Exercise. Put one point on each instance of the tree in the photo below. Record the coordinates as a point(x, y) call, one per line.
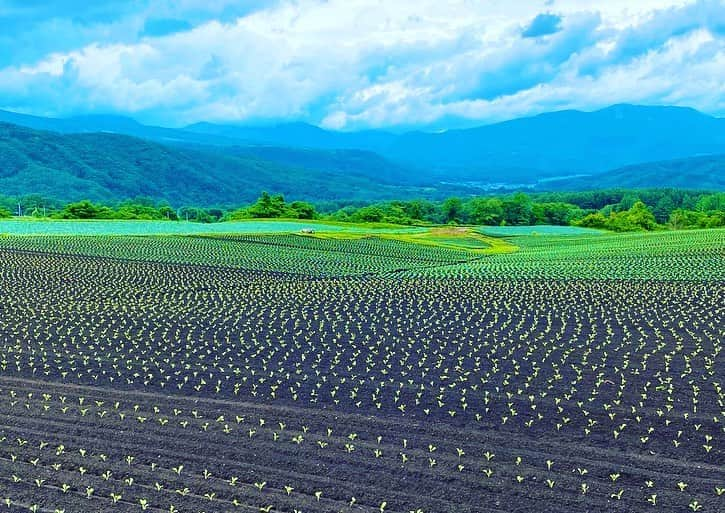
point(711, 202)
point(556, 213)
point(628, 201)
point(596, 220)
point(270, 206)
point(488, 211)
point(302, 210)
point(85, 209)
point(5, 213)
point(663, 209)
point(451, 210)
point(167, 212)
point(267, 206)
point(641, 216)
point(370, 214)
point(518, 210)
point(681, 219)
point(419, 209)
point(195, 214)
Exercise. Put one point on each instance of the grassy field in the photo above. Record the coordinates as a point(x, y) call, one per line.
point(457, 238)
point(355, 369)
point(542, 230)
point(666, 255)
point(122, 227)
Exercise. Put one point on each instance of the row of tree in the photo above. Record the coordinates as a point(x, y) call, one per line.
point(138, 209)
point(618, 210)
point(274, 206)
point(518, 209)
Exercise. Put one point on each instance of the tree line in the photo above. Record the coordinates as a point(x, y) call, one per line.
point(617, 210)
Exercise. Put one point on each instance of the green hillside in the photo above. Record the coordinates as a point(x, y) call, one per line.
point(518, 151)
point(707, 172)
point(109, 167)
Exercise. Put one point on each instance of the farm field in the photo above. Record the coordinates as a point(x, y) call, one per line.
point(512, 231)
point(424, 370)
point(41, 227)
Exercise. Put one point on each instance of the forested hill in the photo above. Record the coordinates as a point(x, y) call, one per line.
point(568, 142)
point(707, 172)
point(558, 143)
point(108, 167)
point(521, 151)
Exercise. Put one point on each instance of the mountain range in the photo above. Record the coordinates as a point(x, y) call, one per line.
point(113, 157)
point(110, 167)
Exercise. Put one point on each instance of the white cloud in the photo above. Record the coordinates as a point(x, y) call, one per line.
point(369, 63)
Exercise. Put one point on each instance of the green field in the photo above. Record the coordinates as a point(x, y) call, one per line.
point(543, 230)
point(121, 227)
point(666, 255)
point(340, 250)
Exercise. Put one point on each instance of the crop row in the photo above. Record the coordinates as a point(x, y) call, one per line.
point(288, 373)
point(406, 394)
point(671, 255)
point(470, 353)
point(678, 255)
point(292, 254)
point(154, 447)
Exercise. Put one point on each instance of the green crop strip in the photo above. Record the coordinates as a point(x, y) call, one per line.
point(439, 253)
point(461, 239)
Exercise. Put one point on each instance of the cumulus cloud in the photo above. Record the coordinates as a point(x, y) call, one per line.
point(350, 64)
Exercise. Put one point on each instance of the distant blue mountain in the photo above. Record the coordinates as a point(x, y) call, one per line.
point(111, 124)
point(707, 173)
point(78, 124)
point(110, 167)
point(566, 142)
point(300, 135)
point(556, 144)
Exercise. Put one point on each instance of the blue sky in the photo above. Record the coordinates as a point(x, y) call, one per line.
point(353, 64)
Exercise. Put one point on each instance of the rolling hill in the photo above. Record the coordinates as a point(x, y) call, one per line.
point(300, 135)
point(696, 172)
point(556, 143)
point(566, 142)
point(109, 167)
point(525, 150)
point(94, 157)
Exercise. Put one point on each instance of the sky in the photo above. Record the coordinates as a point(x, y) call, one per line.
point(357, 64)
